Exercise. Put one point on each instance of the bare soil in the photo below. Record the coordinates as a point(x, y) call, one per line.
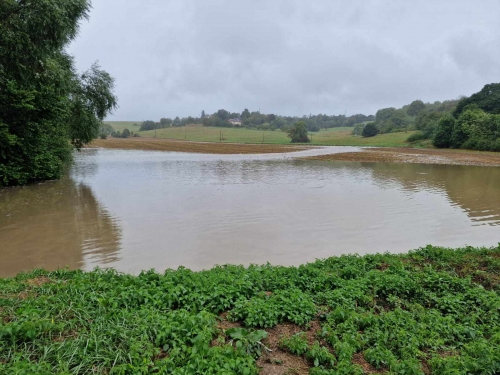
point(419, 156)
point(155, 144)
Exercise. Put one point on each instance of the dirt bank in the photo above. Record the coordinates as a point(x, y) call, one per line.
point(187, 146)
point(412, 155)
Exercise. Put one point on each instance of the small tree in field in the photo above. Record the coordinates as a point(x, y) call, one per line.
point(298, 133)
point(370, 130)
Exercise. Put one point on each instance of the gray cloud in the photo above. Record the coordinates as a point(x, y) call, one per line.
point(175, 58)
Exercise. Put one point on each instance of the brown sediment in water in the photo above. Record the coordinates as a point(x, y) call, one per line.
point(418, 156)
point(154, 144)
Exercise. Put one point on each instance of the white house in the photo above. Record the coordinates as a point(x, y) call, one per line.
point(235, 121)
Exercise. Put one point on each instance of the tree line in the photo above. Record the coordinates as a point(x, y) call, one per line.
point(469, 123)
point(259, 121)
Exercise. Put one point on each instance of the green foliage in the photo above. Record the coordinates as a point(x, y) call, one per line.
point(370, 130)
point(417, 136)
point(265, 311)
point(433, 305)
point(358, 129)
point(44, 103)
point(488, 99)
point(444, 131)
point(474, 129)
point(415, 108)
point(320, 355)
point(247, 342)
point(296, 344)
point(298, 133)
point(125, 133)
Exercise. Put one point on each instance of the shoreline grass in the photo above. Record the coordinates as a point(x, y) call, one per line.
point(433, 310)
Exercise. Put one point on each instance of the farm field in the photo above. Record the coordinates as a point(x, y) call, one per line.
point(331, 137)
point(120, 125)
point(431, 311)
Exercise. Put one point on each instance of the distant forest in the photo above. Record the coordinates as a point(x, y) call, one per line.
point(260, 121)
point(470, 122)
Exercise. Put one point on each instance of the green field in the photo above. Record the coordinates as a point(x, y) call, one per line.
point(332, 137)
point(120, 125)
point(434, 310)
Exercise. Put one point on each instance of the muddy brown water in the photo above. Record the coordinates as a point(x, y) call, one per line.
point(135, 210)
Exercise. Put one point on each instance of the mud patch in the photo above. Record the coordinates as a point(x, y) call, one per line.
point(225, 324)
point(280, 362)
point(418, 156)
point(359, 359)
point(38, 281)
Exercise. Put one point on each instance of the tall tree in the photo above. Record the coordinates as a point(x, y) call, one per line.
point(488, 99)
point(45, 105)
point(415, 108)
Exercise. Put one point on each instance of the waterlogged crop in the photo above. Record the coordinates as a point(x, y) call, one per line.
point(433, 310)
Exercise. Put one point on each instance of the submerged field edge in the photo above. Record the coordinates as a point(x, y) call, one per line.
point(415, 156)
point(432, 310)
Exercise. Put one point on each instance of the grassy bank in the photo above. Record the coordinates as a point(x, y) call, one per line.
point(433, 311)
point(328, 137)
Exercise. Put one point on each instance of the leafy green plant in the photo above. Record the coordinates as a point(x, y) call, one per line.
point(296, 344)
point(398, 310)
point(379, 356)
point(248, 342)
point(320, 355)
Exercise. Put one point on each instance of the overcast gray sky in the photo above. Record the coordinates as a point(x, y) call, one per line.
point(176, 58)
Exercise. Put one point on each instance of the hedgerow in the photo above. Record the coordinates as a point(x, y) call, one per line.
point(432, 310)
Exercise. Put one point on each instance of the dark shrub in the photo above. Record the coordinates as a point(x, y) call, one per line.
point(370, 130)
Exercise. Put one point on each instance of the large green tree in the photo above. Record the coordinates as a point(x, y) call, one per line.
point(46, 107)
point(488, 99)
point(415, 108)
point(298, 133)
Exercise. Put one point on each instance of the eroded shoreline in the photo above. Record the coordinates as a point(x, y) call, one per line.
point(413, 155)
point(362, 154)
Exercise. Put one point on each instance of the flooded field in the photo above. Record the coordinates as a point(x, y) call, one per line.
point(135, 210)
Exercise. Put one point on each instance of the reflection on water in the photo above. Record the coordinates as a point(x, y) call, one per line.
point(54, 225)
point(475, 189)
point(169, 209)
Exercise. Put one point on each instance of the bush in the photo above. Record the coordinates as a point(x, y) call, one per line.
point(298, 133)
point(442, 138)
point(370, 130)
point(125, 133)
point(417, 136)
point(358, 129)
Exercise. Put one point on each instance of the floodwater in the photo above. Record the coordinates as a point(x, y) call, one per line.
point(135, 210)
